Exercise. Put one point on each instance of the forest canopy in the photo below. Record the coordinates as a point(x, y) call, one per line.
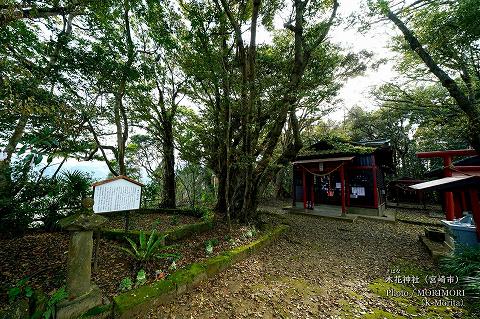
point(182, 93)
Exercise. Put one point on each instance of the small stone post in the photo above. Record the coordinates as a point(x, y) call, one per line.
point(82, 294)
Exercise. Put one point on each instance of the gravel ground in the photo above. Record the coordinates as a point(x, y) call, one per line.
point(418, 216)
point(318, 270)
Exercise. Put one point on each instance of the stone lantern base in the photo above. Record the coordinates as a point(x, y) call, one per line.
point(75, 308)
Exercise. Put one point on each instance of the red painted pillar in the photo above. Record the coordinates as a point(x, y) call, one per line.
point(294, 193)
point(342, 190)
point(375, 188)
point(304, 188)
point(449, 204)
point(312, 191)
point(347, 189)
point(475, 209)
point(457, 205)
point(464, 201)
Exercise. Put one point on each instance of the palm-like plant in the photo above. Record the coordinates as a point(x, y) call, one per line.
point(75, 186)
point(147, 248)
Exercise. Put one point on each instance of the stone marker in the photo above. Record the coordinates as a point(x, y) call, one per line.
point(82, 294)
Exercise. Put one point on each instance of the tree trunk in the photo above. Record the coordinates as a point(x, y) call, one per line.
point(121, 120)
point(468, 106)
point(169, 200)
point(221, 205)
point(280, 191)
point(121, 141)
point(5, 170)
point(253, 175)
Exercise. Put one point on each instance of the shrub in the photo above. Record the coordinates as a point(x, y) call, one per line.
point(209, 244)
point(146, 249)
point(57, 297)
point(20, 289)
point(141, 278)
point(126, 284)
point(472, 284)
point(174, 220)
point(250, 232)
point(463, 263)
point(149, 249)
point(43, 308)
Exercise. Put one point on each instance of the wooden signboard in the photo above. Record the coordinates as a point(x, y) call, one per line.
point(116, 194)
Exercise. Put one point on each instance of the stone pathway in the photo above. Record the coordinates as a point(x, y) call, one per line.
point(320, 269)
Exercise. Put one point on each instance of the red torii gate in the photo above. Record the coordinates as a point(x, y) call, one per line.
point(448, 171)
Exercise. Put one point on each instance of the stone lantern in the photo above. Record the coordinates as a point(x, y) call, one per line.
point(82, 294)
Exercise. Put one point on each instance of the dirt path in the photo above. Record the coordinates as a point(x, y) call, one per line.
point(319, 269)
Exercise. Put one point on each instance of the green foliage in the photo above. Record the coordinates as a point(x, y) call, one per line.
point(199, 211)
point(41, 307)
point(174, 220)
point(21, 289)
point(151, 193)
point(141, 278)
point(446, 31)
point(194, 186)
point(209, 244)
point(126, 284)
point(146, 249)
point(465, 262)
point(472, 284)
point(43, 200)
point(58, 296)
point(173, 266)
point(250, 232)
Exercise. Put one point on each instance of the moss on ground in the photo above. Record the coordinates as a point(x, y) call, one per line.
point(406, 305)
point(95, 311)
point(216, 264)
point(189, 276)
point(302, 286)
point(184, 231)
point(380, 314)
point(140, 295)
point(410, 303)
point(381, 287)
point(354, 295)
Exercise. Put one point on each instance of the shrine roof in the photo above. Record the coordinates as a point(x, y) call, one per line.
point(106, 181)
point(337, 147)
point(449, 183)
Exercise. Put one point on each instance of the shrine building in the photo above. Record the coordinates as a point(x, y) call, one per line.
point(341, 177)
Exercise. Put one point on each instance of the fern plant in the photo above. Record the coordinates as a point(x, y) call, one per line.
point(58, 296)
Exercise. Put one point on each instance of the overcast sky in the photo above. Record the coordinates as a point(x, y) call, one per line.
point(376, 40)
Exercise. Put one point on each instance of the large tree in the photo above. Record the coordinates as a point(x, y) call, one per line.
point(252, 93)
point(441, 41)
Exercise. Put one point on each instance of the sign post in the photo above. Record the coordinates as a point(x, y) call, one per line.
point(116, 194)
